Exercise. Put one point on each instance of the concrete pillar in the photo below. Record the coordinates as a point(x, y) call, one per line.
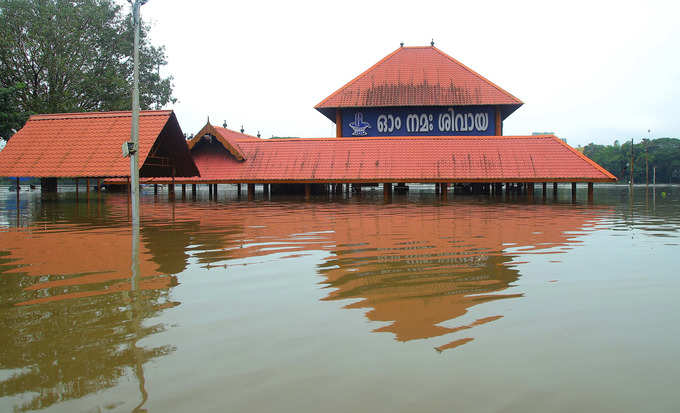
point(544, 189)
point(590, 192)
point(251, 192)
point(573, 192)
point(308, 191)
point(387, 191)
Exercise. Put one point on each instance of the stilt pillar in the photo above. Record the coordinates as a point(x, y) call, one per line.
point(530, 190)
point(436, 188)
point(265, 190)
point(155, 189)
point(387, 191)
point(238, 189)
point(308, 191)
point(573, 192)
point(445, 190)
point(77, 189)
point(555, 190)
point(590, 192)
point(544, 189)
point(251, 192)
point(193, 191)
point(87, 187)
point(215, 191)
point(184, 191)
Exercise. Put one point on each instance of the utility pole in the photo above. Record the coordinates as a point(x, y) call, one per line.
point(134, 138)
point(632, 168)
point(649, 132)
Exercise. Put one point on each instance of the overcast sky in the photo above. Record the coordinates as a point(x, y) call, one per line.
point(590, 71)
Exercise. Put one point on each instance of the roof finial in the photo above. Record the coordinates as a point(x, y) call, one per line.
point(432, 43)
point(224, 124)
point(401, 44)
point(208, 119)
point(258, 134)
point(242, 130)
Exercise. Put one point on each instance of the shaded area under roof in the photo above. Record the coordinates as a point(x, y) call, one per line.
point(418, 76)
point(74, 145)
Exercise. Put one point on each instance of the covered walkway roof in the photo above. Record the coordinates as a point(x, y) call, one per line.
point(543, 158)
point(75, 145)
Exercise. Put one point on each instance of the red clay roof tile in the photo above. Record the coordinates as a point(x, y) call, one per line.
point(418, 76)
point(86, 144)
point(400, 159)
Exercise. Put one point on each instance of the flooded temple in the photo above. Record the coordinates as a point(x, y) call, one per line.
point(416, 116)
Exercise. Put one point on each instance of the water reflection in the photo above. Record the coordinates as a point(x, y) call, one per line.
point(73, 316)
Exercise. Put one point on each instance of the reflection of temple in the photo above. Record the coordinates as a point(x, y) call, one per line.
point(413, 267)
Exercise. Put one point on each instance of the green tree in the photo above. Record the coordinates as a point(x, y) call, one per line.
point(75, 56)
point(10, 118)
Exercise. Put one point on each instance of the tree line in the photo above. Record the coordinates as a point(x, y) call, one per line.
point(662, 153)
point(59, 56)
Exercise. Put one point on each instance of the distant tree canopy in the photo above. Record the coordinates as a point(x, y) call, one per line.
point(61, 56)
point(663, 153)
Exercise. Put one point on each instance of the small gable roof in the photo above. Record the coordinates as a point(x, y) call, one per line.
point(228, 138)
point(72, 145)
point(418, 76)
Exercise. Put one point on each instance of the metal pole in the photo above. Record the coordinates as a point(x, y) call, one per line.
point(632, 166)
point(134, 166)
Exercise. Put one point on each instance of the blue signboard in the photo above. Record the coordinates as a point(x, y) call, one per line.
point(422, 121)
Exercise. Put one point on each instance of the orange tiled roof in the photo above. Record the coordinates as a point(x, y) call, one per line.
point(418, 76)
point(89, 145)
point(399, 159)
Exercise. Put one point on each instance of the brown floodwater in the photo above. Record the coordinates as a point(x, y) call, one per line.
point(471, 304)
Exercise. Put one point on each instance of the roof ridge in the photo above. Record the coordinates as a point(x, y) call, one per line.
point(477, 74)
point(389, 138)
point(237, 132)
point(384, 59)
point(88, 115)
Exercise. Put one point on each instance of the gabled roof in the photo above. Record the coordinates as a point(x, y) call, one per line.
point(543, 158)
point(89, 145)
point(418, 76)
point(227, 137)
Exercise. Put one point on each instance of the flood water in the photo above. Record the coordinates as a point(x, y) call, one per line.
point(471, 304)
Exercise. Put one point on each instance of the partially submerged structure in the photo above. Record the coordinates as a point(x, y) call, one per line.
point(416, 116)
point(89, 146)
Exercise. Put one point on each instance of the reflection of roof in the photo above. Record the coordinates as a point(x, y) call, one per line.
point(89, 145)
point(398, 159)
point(103, 266)
point(418, 76)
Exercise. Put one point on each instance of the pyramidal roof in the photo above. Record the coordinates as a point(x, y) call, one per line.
point(418, 76)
